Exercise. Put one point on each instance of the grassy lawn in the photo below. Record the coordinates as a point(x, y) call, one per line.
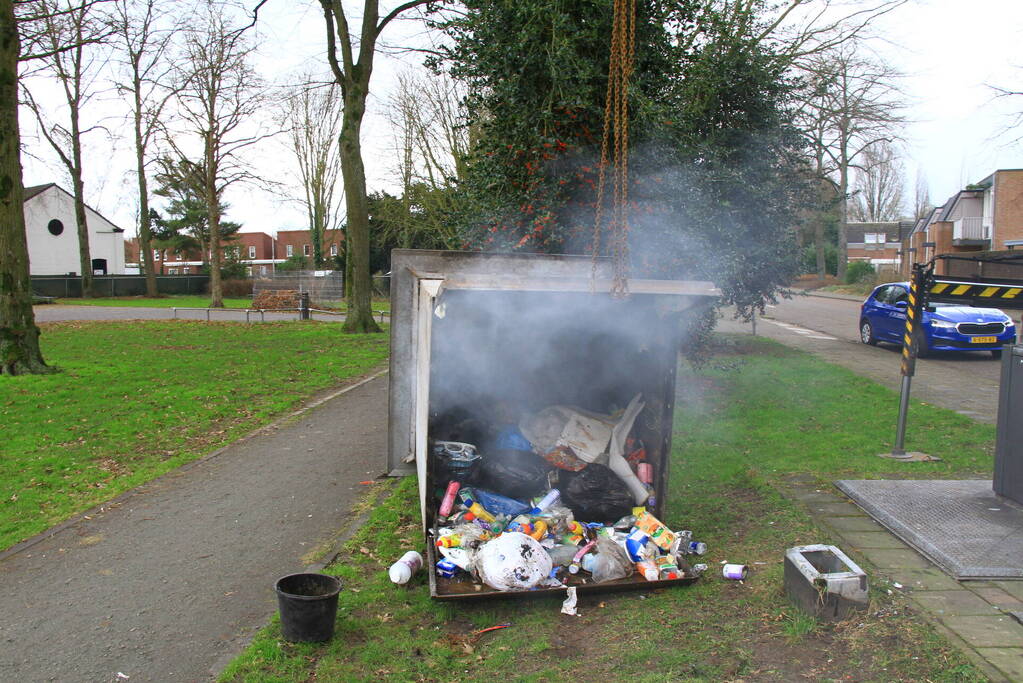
point(137, 399)
point(755, 413)
point(183, 301)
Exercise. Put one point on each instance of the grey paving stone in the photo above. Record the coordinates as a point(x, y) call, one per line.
point(872, 539)
point(994, 595)
point(885, 558)
point(923, 579)
point(811, 497)
point(955, 603)
point(1013, 588)
point(843, 524)
point(1008, 660)
point(984, 632)
point(836, 510)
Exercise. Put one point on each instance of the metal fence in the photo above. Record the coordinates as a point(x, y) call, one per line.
point(321, 285)
point(70, 286)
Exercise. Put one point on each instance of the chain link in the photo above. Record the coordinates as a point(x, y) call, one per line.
point(616, 133)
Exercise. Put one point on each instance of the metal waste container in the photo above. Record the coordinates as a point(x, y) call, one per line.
point(1008, 478)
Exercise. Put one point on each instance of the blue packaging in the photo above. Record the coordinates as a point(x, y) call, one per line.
point(446, 568)
point(496, 504)
point(511, 438)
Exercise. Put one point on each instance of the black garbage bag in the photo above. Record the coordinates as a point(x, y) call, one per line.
point(513, 473)
point(596, 494)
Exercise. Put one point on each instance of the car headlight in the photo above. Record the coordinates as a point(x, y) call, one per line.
point(943, 324)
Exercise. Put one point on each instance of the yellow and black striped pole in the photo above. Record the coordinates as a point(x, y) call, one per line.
point(914, 313)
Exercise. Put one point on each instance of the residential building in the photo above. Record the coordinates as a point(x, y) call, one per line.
point(298, 243)
point(985, 216)
point(878, 243)
point(260, 252)
point(52, 233)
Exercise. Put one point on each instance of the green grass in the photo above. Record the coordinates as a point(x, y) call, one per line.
point(137, 399)
point(756, 413)
point(185, 301)
point(178, 300)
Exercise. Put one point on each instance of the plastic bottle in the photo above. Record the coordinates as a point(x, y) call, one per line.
point(552, 497)
point(697, 548)
point(449, 541)
point(402, 570)
point(481, 513)
point(577, 560)
point(449, 499)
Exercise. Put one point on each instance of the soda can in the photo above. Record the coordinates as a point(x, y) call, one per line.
point(735, 572)
point(645, 472)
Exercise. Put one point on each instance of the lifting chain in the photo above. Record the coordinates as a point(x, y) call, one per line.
point(616, 132)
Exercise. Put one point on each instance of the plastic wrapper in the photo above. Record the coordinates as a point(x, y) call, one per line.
point(596, 494)
point(611, 562)
point(513, 562)
point(497, 504)
point(514, 473)
point(561, 555)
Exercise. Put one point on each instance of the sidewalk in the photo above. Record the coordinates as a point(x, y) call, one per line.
point(168, 582)
point(973, 615)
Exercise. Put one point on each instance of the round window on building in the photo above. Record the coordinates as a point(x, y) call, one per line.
point(55, 227)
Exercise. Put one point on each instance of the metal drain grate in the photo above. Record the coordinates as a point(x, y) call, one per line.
point(961, 526)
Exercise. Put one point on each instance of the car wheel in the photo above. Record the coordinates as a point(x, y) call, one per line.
point(867, 333)
point(920, 348)
point(996, 353)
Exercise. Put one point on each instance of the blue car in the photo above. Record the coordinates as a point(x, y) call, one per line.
point(946, 327)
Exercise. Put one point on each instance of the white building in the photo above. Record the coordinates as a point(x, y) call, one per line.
point(53, 235)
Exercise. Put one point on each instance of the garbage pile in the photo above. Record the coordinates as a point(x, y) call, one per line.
point(559, 498)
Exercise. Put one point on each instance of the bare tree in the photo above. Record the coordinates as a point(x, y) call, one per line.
point(142, 35)
point(431, 152)
point(218, 94)
point(879, 188)
point(352, 71)
point(314, 123)
point(922, 196)
point(66, 35)
point(851, 103)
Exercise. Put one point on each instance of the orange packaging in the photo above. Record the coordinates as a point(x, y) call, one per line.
point(662, 536)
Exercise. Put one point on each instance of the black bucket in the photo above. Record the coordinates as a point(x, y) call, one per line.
point(308, 606)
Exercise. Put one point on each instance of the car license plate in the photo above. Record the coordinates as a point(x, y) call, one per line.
point(984, 340)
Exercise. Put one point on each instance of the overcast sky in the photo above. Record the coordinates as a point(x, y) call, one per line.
point(950, 51)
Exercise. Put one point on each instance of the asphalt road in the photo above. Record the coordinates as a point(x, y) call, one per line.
point(168, 582)
point(828, 327)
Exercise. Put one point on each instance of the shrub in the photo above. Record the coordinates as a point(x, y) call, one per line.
point(859, 271)
point(237, 287)
point(808, 259)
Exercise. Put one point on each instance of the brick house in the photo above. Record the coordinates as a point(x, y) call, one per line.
point(260, 252)
point(298, 243)
point(985, 216)
point(877, 243)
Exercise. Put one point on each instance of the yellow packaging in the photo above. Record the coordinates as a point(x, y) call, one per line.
point(662, 536)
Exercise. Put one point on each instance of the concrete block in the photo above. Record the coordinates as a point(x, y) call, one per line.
point(823, 582)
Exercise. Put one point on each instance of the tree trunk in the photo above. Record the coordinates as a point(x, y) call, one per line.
point(84, 253)
point(843, 218)
point(19, 336)
point(818, 240)
point(359, 317)
point(145, 228)
point(213, 212)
